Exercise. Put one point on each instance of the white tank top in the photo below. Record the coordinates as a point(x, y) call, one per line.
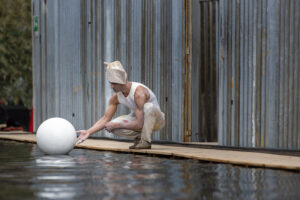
point(129, 100)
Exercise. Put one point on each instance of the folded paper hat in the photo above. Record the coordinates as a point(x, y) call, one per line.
point(115, 72)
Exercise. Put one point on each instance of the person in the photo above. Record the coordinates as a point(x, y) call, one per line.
point(144, 118)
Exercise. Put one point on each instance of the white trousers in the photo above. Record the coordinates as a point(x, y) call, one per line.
point(154, 120)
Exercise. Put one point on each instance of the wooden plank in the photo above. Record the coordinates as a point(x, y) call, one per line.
point(252, 159)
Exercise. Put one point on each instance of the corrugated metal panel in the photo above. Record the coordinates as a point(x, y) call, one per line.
point(204, 56)
point(76, 37)
point(258, 87)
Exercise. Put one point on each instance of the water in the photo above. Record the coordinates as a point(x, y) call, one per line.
point(25, 173)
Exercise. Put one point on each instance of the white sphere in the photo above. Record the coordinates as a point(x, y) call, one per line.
point(56, 136)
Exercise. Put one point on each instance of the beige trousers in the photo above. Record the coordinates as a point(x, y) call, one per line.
point(154, 120)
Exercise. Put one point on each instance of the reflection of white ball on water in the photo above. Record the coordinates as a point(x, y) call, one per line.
point(56, 136)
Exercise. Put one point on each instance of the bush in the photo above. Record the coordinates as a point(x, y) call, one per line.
point(15, 52)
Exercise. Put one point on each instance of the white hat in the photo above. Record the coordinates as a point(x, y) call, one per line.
point(115, 72)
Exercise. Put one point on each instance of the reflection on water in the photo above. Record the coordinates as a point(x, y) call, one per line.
point(54, 186)
point(26, 173)
point(52, 175)
point(55, 161)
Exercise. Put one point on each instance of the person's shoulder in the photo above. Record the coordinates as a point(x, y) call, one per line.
point(141, 92)
point(140, 89)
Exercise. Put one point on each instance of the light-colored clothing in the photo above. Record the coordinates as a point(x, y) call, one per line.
point(129, 100)
point(154, 120)
point(115, 72)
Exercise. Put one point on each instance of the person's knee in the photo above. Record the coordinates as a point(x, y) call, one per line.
point(149, 108)
point(123, 118)
point(116, 120)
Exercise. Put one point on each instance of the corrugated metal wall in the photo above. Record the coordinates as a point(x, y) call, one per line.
point(205, 20)
point(75, 37)
point(258, 73)
point(256, 50)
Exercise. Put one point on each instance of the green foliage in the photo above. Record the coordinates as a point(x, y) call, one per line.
point(15, 52)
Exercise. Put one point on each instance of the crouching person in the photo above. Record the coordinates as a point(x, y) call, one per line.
point(145, 116)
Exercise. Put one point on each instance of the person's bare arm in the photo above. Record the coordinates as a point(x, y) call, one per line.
point(100, 124)
point(141, 96)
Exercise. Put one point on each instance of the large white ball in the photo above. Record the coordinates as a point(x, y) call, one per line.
point(56, 136)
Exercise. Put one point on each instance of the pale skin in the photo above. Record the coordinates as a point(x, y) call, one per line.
point(141, 96)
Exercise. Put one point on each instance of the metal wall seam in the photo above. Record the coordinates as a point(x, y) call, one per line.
point(286, 89)
point(281, 76)
point(177, 63)
point(218, 87)
point(228, 71)
point(225, 67)
point(43, 61)
point(196, 19)
point(233, 73)
point(212, 88)
point(271, 68)
point(221, 76)
point(92, 58)
point(57, 59)
point(50, 60)
point(263, 72)
point(292, 74)
point(288, 52)
point(297, 64)
point(251, 136)
point(242, 75)
point(254, 120)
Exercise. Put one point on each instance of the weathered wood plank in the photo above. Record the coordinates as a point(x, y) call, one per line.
point(214, 155)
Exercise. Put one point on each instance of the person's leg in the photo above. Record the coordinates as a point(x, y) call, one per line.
point(130, 134)
point(154, 120)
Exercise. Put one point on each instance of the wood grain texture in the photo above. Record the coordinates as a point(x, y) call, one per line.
point(252, 159)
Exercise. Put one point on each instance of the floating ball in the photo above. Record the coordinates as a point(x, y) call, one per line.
point(56, 136)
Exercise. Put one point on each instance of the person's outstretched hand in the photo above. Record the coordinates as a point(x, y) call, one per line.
point(83, 136)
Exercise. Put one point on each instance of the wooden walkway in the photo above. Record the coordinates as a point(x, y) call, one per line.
point(252, 159)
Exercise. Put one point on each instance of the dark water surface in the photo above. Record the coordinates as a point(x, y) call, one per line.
point(25, 173)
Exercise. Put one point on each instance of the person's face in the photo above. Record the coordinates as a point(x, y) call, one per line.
point(116, 87)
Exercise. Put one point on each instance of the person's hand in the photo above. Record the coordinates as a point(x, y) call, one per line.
point(110, 126)
point(83, 136)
